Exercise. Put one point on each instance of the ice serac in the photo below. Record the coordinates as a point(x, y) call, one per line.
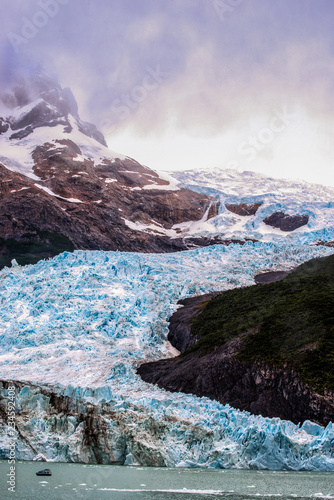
point(80, 426)
point(76, 328)
point(62, 188)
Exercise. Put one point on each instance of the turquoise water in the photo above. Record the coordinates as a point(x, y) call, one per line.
point(94, 482)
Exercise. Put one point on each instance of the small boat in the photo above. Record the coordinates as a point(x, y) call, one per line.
point(45, 472)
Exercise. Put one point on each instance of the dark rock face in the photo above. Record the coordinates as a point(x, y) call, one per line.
point(325, 243)
point(254, 387)
point(40, 115)
point(34, 224)
point(4, 126)
point(286, 222)
point(243, 208)
point(179, 324)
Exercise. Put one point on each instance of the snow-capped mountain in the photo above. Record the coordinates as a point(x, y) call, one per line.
point(62, 188)
point(262, 208)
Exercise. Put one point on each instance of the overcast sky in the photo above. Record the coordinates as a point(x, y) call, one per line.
point(178, 84)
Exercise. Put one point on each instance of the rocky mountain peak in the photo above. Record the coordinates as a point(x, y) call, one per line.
point(40, 101)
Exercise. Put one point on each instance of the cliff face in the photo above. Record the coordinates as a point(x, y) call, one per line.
point(42, 223)
point(256, 386)
point(180, 335)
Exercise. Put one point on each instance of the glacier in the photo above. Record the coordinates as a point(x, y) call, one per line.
point(81, 323)
point(276, 195)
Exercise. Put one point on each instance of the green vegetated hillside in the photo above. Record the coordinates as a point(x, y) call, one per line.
point(291, 321)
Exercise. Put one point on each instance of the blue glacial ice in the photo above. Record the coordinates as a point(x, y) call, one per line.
point(83, 322)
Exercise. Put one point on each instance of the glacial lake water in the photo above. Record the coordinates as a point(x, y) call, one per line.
point(95, 482)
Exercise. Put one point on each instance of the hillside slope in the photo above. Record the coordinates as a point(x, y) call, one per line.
point(267, 348)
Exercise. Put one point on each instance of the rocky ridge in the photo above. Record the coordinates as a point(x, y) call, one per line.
point(257, 387)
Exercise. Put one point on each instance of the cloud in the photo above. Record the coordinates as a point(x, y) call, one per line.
point(224, 65)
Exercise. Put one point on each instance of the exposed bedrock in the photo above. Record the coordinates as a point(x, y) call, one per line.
point(325, 243)
point(179, 324)
point(243, 208)
point(257, 388)
point(286, 222)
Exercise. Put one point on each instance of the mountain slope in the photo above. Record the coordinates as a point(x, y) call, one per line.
point(62, 188)
point(268, 348)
